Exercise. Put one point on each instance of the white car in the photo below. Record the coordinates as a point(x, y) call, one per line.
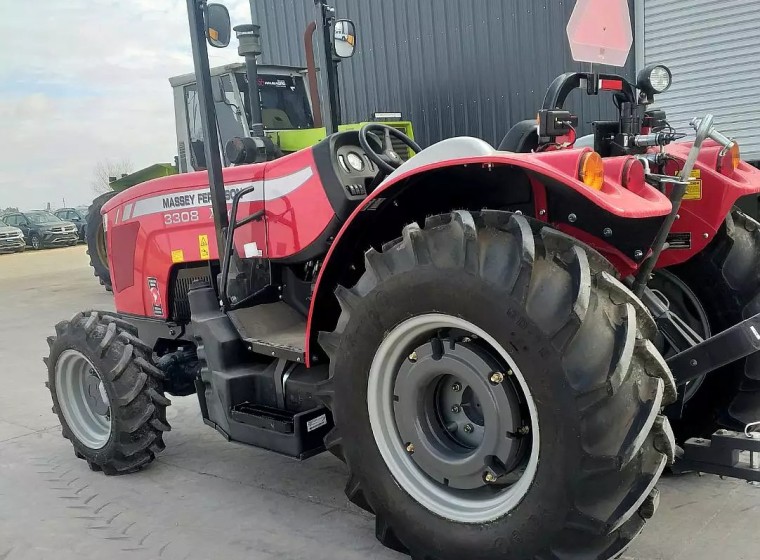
point(11, 239)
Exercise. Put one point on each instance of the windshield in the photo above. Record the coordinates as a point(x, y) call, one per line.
point(229, 119)
point(284, 104)
point(41, 217)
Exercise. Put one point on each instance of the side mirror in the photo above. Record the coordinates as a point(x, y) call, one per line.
point(218, 27)
point(345, 38)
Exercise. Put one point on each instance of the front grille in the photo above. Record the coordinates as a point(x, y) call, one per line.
point(57, 230)
point(12, 235)
point(180, 304)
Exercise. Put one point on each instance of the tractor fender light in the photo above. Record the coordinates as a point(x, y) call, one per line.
point(591, 170)
point(633, 176)
point(729, 158)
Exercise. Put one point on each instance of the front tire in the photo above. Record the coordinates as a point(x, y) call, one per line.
point(583, 387)
point(107, 395)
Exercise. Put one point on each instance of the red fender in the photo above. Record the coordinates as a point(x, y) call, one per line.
point(708, 201)
point(633, 201)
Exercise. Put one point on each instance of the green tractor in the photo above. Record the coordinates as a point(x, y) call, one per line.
point(290, 117)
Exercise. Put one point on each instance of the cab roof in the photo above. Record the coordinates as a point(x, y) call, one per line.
point(271, 69)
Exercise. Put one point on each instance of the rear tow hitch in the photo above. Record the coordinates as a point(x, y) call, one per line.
point(733, 344)
point(722, 455)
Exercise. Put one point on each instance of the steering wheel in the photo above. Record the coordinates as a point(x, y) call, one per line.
point(386, 160)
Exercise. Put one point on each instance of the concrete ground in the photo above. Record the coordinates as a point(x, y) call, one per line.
point(205, 498)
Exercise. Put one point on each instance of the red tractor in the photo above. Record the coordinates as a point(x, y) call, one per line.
point(493, 341)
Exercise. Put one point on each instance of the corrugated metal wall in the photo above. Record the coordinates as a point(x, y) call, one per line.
point(713, 50)
point(452, 67)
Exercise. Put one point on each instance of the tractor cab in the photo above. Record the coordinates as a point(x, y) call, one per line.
point(285, 109)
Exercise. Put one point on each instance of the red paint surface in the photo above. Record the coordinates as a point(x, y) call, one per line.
point(703, 218)
point(294, 221)
point(561, 165)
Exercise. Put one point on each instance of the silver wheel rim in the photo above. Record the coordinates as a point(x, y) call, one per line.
point(473, 505)
point(36, 242)
point(82, 399)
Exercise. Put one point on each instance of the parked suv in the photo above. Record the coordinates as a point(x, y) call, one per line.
point(77, 216)
point(11, 238)
point(42, 229)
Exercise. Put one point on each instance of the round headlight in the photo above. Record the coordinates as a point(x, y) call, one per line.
point(654, 78)
point(660, 78)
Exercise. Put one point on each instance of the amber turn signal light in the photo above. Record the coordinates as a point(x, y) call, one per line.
point(729, 158)
point(591, 171)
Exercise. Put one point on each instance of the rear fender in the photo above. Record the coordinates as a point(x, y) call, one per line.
point(540, 185)
point(708, 201)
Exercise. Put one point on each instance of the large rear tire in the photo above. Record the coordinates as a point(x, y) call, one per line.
point(725, 277)
point(95, 237)
point(453, 307)
point(107, 395)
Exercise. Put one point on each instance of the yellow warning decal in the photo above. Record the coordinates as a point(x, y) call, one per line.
point(203, 246)
point(178, 256)
point(694, 188)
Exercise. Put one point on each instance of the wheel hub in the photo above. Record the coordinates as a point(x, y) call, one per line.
point(83, 399)
point(461, 424)
point(453, 418)
point(95, 394)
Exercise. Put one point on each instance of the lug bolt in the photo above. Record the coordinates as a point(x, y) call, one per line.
point(468, 428)
point(525, 430)
point(410, 448)
point(489, 477)
point(456, 387)
point(413, 357)
point(638, 254)
point(497, 377)
point(571, 218)
point(607, 232)
point(455, 409)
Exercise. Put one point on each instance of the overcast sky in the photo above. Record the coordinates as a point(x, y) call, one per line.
point(83, 81)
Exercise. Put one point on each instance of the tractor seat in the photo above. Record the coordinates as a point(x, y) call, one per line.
point(275, 119)
point(521, 138)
